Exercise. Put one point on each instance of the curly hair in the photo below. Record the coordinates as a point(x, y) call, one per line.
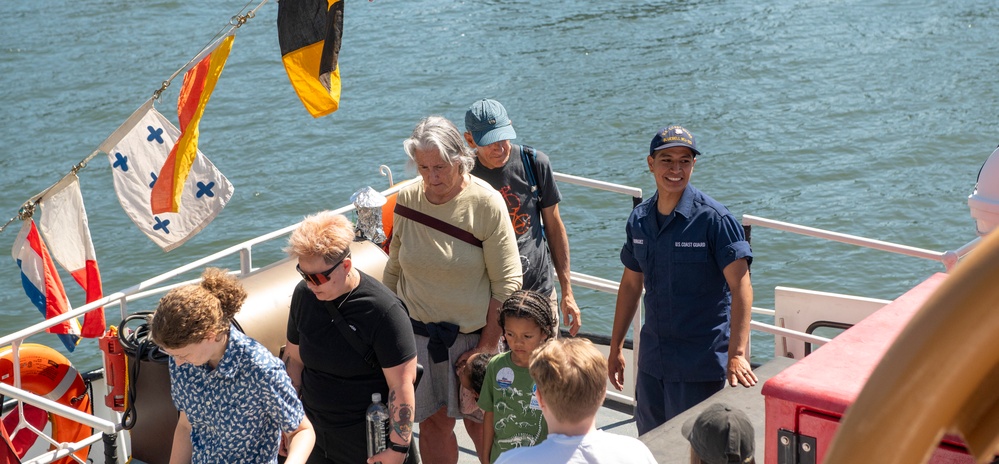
point(323, 234)
point(477, 369)
point(531, 305)
point(192, 313)
point(437, 132)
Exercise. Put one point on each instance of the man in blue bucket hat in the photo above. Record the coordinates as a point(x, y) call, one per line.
point(691, 256)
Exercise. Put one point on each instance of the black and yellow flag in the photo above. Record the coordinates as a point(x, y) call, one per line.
point(309, 32)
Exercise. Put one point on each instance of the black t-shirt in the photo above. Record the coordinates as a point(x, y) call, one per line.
point(337, 383)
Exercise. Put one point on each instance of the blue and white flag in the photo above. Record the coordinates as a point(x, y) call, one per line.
point(137, 151)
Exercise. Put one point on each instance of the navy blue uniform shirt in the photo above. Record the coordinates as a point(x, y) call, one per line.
point(687, 300)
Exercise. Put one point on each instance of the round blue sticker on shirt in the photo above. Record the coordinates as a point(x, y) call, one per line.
point(504, 378)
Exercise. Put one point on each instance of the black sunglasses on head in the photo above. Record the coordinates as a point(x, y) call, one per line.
point(322, 277)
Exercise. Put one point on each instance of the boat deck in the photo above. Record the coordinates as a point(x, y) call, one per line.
point(666, 442)
point(668, 445)
point(609, 419)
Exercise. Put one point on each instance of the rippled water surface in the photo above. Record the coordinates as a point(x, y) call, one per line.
point(869, 118)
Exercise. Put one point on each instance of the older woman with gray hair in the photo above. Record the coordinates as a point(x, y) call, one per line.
point(453, 260)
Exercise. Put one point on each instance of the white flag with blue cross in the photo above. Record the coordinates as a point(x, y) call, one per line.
point(137, 151)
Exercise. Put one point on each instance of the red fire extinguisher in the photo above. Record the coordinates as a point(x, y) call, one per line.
point(115, 370)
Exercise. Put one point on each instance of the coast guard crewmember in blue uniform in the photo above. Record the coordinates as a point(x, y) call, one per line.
point(691, 256)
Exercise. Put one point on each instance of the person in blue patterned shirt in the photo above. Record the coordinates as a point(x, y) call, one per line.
point(235, 398)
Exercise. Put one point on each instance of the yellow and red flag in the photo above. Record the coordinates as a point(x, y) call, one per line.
point(199, 82)
point(309, 33)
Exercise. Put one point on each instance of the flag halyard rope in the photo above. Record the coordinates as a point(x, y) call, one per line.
point(27, 210)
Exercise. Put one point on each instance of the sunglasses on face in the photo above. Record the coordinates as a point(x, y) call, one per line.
point(322, 277)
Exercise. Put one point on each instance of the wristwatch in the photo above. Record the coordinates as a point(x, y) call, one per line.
point(398, 448)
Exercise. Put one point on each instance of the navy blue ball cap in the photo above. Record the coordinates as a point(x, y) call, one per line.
point(673, 136)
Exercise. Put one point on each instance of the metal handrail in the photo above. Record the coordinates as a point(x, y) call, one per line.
point(633, 192)
point(90, 420)
point(775, 330)
point(64, 450)
point(948, 258)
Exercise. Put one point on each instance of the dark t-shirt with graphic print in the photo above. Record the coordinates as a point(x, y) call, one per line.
point(525, 212)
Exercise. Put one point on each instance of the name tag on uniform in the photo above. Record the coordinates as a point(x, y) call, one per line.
point(638, 241)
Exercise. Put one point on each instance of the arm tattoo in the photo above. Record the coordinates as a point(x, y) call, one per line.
point(402, 417)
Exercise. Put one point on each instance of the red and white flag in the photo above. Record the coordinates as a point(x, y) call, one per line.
point(66, 229)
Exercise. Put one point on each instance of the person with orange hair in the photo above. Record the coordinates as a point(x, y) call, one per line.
point(336, 376)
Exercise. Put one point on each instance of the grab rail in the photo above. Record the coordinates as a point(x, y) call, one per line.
point(948, 258)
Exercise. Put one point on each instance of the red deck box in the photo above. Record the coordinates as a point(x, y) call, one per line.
point(805, 402)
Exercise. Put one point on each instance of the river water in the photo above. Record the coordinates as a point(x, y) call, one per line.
point(864, 117)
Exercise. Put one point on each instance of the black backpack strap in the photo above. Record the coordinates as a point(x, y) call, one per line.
point(348, 334)
point(351, 337)
point(527, 156)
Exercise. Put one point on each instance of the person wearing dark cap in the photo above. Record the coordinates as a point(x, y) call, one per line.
point(524, 177)
point(691, 256)
point(720, 434)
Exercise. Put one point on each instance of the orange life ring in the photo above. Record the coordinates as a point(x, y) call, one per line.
point(46, 372)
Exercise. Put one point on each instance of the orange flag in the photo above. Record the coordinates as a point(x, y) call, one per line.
point(199, 82)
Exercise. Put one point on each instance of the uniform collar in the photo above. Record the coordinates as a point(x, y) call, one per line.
point(684, 207)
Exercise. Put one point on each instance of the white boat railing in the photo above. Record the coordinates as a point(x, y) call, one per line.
point(158, 285)
point(948, 258)
point(633, 192)
point(775, 330)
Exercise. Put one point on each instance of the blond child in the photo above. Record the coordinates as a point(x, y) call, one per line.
point(571, 375)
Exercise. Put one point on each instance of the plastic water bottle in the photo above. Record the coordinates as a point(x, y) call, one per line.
point(377, 422)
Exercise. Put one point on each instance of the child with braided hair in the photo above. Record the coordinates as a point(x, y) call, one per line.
point(513, 416)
